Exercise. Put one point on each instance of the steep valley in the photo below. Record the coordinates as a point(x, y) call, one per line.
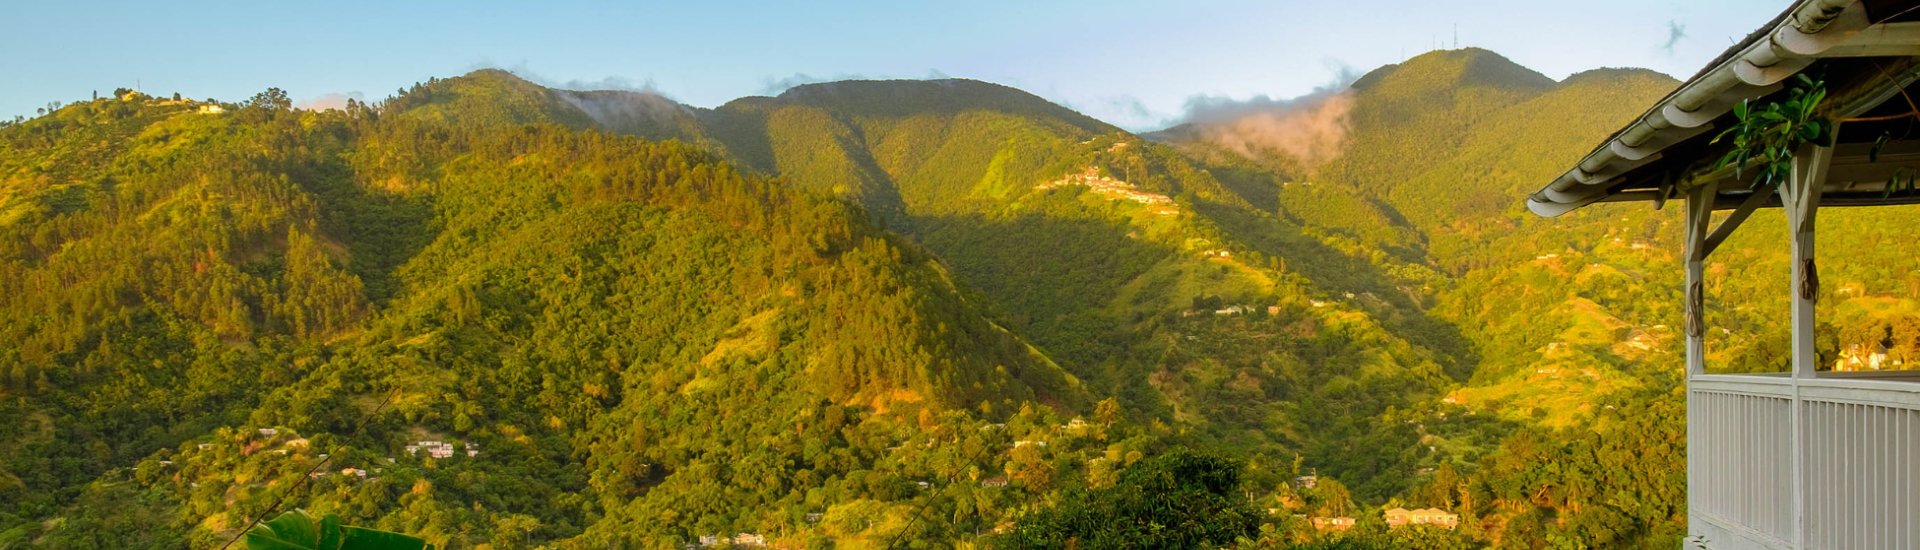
point(851, 314)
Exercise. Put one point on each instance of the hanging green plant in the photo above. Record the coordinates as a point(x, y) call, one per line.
point(1902, 180)
point(1771, 132)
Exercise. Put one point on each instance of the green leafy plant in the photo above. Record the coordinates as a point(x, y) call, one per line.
point(1773, 131)
point(297, 530)
point(1902, 179)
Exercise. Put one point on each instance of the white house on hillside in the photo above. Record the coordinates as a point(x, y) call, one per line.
point(1810, 458)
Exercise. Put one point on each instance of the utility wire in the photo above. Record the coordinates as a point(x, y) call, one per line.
point(984, 447)
point(298, 483)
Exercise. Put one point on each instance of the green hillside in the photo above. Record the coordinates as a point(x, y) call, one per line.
point(1132, 266)
point(1558, 342)
point(1573, 331)
point(590, 311)
point(487, 312)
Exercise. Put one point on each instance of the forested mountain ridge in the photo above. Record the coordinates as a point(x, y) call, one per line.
point(369, 278)
point(1562, 343)
point(1573, 332)
point(854, 313)
point(1135, 268)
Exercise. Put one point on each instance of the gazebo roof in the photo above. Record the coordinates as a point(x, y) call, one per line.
point(1864, 50)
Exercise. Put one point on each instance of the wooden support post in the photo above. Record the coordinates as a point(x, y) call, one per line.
point(1800, 196)
point(1699, 216)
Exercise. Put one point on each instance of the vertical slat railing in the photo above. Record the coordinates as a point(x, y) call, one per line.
point(1865, 483)
point(1741, 460)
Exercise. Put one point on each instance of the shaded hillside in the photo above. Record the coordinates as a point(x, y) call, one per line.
point(1117, 257)
point(1439, 150)
point(1137, 270)
point(854, 313)
point(589, 310)
point(1572, 319)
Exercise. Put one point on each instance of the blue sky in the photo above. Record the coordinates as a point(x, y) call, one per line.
point(1136, 64)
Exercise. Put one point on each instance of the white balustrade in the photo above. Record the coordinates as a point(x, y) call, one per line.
point(1856, 463)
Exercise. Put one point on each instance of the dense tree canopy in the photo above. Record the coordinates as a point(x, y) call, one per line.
point(860, 313)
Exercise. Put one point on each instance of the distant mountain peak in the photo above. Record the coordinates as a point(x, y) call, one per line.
point(901, 85)
point(1466, 67)
point(946, 95)
point(495, 76)
point(1614, 73)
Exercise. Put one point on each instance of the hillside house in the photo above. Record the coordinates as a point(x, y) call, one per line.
point(1091, 178)
point(1306, 481)
point(1810, 458)
point(1399, 517)
point(439, 449)
point(1865, 357)
point(211, 109)
point(1340, 523)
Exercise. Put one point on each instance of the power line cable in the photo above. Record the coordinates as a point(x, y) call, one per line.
point(298, 483)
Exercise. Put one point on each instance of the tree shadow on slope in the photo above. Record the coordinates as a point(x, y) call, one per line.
point(1053, 280)
point(813, 147)
point(1333, 270)
point(381, 230)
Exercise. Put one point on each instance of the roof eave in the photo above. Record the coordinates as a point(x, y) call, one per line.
point(1754, 68)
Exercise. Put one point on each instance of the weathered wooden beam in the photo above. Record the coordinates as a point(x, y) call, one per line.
point(1699, 213)
point(1828, 199)
point(1801, 195)
point(1882, 40)
point(1739, 215)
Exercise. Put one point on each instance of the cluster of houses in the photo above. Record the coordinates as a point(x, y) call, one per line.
point(1340, 523)
point(738, 539)
point(440, 449)
point(1397, 517)
point(1635, 245)
point(1862, 357)
point(1231, 310)
point(348, 472)
point(1425, 516)
point(1107, 186)
point(1306, 481)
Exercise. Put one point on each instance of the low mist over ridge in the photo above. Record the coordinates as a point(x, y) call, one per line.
point(854, 313)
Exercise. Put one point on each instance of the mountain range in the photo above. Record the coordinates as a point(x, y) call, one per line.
point(487, 312)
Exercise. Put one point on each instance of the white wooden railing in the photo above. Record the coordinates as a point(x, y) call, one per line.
point(1835, 456)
